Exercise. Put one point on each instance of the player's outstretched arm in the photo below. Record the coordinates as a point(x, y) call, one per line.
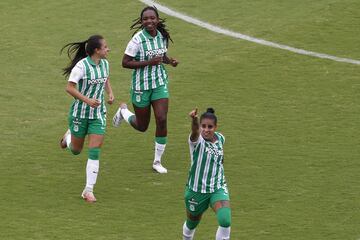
point(195, 126)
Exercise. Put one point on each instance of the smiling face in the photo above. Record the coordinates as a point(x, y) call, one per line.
point(150, 20)
point(207, 128)
point(103, 51)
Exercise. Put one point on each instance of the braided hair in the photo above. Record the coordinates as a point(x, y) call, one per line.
point(160, 26)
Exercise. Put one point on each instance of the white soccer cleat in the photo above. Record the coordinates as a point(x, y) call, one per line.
point(63, 140)
point(118, 117)
point(88, 196)
point(159, 168)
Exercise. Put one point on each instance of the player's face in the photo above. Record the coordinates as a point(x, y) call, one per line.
point(149, 20)
point(207, 128)
point(103, 50)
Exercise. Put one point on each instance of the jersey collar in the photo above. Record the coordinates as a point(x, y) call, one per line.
point(148, 34)
point(92, 62)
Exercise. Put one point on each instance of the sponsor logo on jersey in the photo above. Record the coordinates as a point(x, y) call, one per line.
point(214, 151)
point(155, 52)
point(96, 81)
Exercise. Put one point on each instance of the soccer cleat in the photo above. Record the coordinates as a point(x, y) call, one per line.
point(88, 196)
point(118, 117)
point(159, 168)
point(63, 140)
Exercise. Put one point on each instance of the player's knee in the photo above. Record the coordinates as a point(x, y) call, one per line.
point(192, 224)
point(142, 128)
point(161, 122)
point(75, 151)
point(224, 216)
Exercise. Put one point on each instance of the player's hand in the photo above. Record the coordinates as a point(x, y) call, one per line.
point(111, 98)
point(156, 60)
point(193, 113)
point(173, 62)
point(93, 102)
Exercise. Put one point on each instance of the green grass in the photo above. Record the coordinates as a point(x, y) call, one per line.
point(291, 123)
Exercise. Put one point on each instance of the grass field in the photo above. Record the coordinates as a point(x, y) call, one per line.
point(291, 122)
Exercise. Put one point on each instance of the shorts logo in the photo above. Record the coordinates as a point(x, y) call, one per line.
point(192, 204)
point(76, 123)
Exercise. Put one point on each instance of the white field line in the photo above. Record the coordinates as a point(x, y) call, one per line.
point(230, 33)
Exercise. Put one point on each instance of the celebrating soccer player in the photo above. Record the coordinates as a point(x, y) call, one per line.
point(206, 182)
point(146, 53)
point(88, 74)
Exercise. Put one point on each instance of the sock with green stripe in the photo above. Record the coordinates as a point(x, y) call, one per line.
point(160, 144)
point(92, 168)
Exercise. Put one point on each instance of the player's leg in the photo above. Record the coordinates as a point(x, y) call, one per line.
point(74, 137)
point(160, 104)
point(196, 204)
point(141, 119)
point(96, 139)
point(220, 203)
point(189, 225)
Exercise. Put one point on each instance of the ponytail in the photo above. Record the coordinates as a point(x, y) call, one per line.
point(79, 50)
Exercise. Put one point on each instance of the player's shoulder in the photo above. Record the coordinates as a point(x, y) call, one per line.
point(80, 64)
point(220, 137)
point(139, 37)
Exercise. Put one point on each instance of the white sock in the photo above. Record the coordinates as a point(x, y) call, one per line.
point(187, 233)
point(126, 114)
point(92, 169)
point(223, 233)
point(159, 150)
point(68, 140)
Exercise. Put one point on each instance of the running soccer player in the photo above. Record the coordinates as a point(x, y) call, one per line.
point(88, 74)
point(206, 184)
point(146, 53)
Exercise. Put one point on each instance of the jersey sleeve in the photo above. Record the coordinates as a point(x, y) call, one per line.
point(192, 144)
point(133, 47)
point(77, 73)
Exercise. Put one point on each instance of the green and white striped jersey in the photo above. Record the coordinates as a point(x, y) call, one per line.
point(90, 79)
point(206, 173)
point(143, 47)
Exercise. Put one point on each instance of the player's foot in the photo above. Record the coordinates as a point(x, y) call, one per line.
point(88, 196)
point(159, 168)
point(118, 117)
point(63, 140)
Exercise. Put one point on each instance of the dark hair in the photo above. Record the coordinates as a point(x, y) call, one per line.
point(78, 50)
point(209, 114)
point(161, 25)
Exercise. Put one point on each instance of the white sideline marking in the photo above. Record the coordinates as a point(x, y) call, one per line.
point(230, 33)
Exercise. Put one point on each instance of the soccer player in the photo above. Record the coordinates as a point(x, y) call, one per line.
point(88, 73)
point(206, 184)
point(146, 54)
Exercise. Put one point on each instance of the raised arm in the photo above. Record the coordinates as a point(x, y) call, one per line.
point(195, 126)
